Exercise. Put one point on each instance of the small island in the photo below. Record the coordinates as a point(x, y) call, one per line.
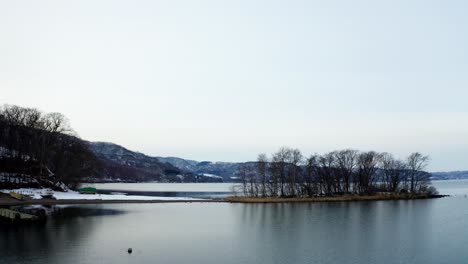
point(342, 198)
point(345, 175)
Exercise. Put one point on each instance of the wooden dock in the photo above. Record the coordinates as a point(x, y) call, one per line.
point(16, 216)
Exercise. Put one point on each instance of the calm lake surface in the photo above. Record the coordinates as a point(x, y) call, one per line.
point(167, 187)
point(194, 190)
point(420, 231)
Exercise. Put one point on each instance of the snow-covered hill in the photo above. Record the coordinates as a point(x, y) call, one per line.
point(190, 170)
point(129, 165)
point(183, 164)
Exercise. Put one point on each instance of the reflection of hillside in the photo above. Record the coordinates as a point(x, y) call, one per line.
point(80, 211)
point(46, 241)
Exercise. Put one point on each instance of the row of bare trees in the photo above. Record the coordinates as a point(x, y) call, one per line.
point(41, 146)
point(288, 174)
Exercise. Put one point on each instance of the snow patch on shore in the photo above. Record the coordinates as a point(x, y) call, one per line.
point(71, 195)
point(211, 176)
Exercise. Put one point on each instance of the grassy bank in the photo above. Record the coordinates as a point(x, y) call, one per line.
point(5, 200)
point(344, 198)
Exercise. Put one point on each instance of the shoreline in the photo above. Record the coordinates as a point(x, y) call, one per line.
point(5, 200)
point(344, 198)
point(8, 201)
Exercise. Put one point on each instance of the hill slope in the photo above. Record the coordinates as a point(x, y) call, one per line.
point(225, 170)
point(167, 169)
point(450, 175)
point(123, 164)
point(126, 165)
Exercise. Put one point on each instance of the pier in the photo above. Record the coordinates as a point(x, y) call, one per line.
point(7, 214)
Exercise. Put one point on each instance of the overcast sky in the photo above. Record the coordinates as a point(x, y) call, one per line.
point(226, 80)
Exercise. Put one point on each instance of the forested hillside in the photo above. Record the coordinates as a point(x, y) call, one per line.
point(144, 168)
point(125, 165)
point(41, 149)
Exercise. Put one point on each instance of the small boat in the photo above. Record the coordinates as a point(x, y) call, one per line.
point(47, 194)
point(87, 190)
point(17, 196)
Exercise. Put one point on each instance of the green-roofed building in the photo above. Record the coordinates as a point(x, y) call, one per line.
point(88, 190)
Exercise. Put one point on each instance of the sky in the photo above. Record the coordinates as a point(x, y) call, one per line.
point(226, 80)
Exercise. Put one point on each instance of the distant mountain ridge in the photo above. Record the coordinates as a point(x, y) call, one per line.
point(124, 156)
point(450, 175)
point(123, 164)
point(169, 169)
point(226, 170)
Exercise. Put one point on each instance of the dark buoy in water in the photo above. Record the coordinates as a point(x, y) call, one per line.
point(130, 250)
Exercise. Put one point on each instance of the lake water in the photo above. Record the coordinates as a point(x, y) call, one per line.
point(194, 190)
point(419, 231)
point(167, 187)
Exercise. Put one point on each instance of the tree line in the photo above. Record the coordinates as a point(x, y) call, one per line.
point(41, 148)
point(287, 173)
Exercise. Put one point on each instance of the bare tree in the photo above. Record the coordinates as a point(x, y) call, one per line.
point(246, 173)
point(294, 161)
point(367, 163)
point(393, 172)
point(242, 173)
point(326, 172)
point(345, 163)
point(312, 183)
point(278, 168)
point(56, 123)
point(417, 163)
point(262, 164)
